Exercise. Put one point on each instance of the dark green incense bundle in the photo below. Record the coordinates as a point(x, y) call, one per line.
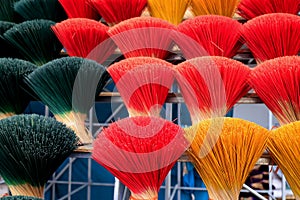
point(68, 86)
point(32, 148)
point(6, 49)
point(40, 9)
point(13, 99)
point(7, 10)
point(35, 40)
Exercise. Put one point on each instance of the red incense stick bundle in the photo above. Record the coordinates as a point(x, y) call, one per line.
point(252, 8)
point(79, 9)
point(140, 152)
point(143, 83)
point(273, 35)
point(115, 11)
point(212, 85)
point(143, 36)
point(277, 83)
point(85, 38)
point(211, 35)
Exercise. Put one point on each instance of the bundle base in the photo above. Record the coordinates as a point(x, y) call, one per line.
point(27, 190)
point(149, 195)
point(221, 194)
point(6, 115)
point(75, 121)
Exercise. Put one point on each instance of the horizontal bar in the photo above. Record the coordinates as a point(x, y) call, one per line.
point(114, 97)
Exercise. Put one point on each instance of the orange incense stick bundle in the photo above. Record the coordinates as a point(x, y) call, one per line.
point(143, 36)
point(85, 38)
point(277, 83)
point(169, 10)
point(214, 7)
point(140, 152)
point(284, 147)
point(212, 85)
point(209, 35)
point(143, 83)
point(273, 35)
point(115, 11)
point(224, 151)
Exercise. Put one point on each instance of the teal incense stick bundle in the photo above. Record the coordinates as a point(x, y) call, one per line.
point(69, 86)
point(32, 148)
point(40, 9)
point(13, 99)
point(35, 40)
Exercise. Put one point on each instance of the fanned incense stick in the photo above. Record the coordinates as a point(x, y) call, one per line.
point(253, 8)
point(169, 10)
point(140, 152)
point(116, 11)
point(224, 151)
point(85, 38)
point(143, 36)
point(209, 35)
point(211, 86)
point(284, 146)
point(32, 148)
point(143, 83)
point(273, 35)
point(277, 83)
point(214, 7)
point(69, 86)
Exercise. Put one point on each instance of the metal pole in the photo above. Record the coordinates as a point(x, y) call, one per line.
point(283, 186)
point(168, 178)
point(254, 192)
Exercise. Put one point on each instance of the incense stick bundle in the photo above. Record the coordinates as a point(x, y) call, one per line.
point(273, 35)
point(169, 10)
point(214, 7)
point(69, 86)
point(116, 11)
point(85, 38)
point(224, 151)
point(143, 36)
point(6, 49)
point(284, 145)
point(212, 85)
point(35, 40)
point(79, 9)
point(32, 148)
point(276, 82)
point(140, 152)
point(7, 10)
point(40, 9)
point(13, 99)
point(209, 35)
point(253, 8)
point(143, 83)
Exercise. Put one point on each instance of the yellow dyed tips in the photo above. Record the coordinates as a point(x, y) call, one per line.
point(224, 151)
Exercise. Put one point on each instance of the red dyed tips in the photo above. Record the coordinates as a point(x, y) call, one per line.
point(253, 8)
point(143, 36)
point(85, 38)
point(79, 9)
point(277, 83)
point(273, 35)
point(143, 83)
point(140, 151)
point(212, 85)
point(209, 35)
point(116, 11)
